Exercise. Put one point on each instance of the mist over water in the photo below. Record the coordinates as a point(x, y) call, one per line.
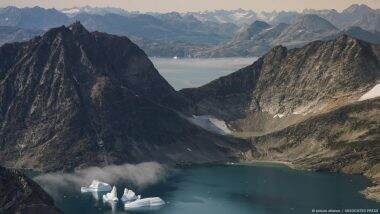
point(189, 72)
point(140, 175)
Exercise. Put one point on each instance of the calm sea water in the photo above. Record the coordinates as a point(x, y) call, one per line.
point(188, 73)
point(226, 189)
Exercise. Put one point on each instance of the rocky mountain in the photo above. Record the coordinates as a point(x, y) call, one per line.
point(355, 15)
point(19, 194)
point(287, 17)
point(243, 17)
point(246, 42)
point(305, 106)
point(361, 16)
point(260, 37)
point(280, 87)
point(162, 27)
point(71, 98)
point(32, 18)
point(359, 33)
point(10, 34)
point(305, 29)
point(167, 27)
point(248, 32)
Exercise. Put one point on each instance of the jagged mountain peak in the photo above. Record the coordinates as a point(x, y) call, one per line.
point(247, 32)
point(260, 24)
point(312, 21)
point(305, 28)
point(358, 9)
point(77, 27)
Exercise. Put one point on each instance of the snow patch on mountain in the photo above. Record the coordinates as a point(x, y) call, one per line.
point(374, 92)
point(211, 124)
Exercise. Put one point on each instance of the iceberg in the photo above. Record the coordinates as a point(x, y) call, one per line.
point(96, 186)
point(144, 203)
point(111, 196)
point(129, 196)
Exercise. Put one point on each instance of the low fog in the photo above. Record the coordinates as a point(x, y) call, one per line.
point(140, 175)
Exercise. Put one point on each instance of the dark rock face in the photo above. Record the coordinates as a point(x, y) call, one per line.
point(290, 83)
point(72, 98)
point(19, 194)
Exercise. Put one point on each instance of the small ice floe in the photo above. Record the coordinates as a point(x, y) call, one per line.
point(129, 196)
point(144, 203)
point(96, 186)
point(111, 196)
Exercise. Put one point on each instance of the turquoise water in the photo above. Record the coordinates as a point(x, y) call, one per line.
point(225, 189)
point(188, 73)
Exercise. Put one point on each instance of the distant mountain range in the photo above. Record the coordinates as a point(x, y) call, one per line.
point(355, 15)
point(219, 33)
point(161, 27)
point(259, 37)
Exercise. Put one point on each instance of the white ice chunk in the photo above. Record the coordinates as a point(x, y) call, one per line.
point(374, 92)
point(279, 116)
point(97, 186)
point(145, 202)
point(128, 196)
point(111, 196)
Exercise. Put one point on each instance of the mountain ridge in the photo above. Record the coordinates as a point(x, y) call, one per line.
point(248, 87)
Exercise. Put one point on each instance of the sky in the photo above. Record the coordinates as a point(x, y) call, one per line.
point(195, 5)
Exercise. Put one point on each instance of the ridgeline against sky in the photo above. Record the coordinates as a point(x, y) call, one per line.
point(195, 5)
